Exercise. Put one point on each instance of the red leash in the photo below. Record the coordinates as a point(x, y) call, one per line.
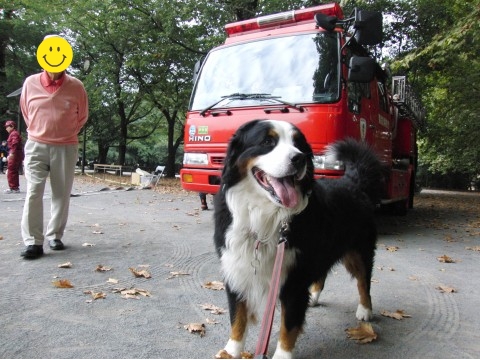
point(267, 321)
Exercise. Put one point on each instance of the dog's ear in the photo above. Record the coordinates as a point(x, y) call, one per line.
point(230, 173)
point(302, 144)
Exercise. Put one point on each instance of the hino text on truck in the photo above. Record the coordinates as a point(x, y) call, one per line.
point(309, 67)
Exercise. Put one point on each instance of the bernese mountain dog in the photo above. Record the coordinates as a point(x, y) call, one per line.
point(267, 180)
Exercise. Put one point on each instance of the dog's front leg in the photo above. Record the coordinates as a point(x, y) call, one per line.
point(288, 336)
point(238, 329)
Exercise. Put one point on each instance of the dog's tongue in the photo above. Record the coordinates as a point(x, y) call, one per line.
point(285, 190)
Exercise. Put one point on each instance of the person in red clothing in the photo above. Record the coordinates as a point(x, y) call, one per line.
point(14, 158)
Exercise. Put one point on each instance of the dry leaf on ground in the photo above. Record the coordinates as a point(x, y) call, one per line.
point(62, 283)
point(214, 285)
point(197, 328)
point(445, 259)
point(174, 274)
point(131, 293)
point(66, 265)
point(222, 354)
point(112, 281)
point(363, 333)
point(246, 355)
point(473, 248)
point(140, 273)
point(392, 248)
point(446, 289)
point(101, 268)
point(211, 321)
point(96, 295)
point(88, 244)
point(213, 309)
point(398, 315)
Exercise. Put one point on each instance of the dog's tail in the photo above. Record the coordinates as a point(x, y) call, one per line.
point(362, 166)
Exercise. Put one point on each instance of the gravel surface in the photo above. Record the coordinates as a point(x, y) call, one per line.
point(162, 232)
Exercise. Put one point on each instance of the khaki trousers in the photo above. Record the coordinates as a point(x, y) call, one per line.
point(42, 160)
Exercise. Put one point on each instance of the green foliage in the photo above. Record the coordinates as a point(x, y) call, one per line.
point(141, 54)
point(447, 70)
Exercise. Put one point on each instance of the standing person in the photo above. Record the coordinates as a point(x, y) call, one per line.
point(55, 108)
point(14, 158)
point(203, 200)
point(3, 156)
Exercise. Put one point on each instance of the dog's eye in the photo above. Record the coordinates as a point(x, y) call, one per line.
point(268, 141)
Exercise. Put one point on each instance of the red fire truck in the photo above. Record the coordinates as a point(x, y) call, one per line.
point(309, 67)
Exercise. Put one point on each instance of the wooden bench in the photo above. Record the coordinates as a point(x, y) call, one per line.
point(97, 168)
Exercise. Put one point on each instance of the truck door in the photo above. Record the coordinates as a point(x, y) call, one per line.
point(381, 121)
point(360, 106)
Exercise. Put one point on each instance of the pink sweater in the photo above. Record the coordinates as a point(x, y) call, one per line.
point(57, 118)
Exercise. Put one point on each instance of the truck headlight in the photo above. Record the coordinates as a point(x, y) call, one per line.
point(322, 162)
point(195, 159)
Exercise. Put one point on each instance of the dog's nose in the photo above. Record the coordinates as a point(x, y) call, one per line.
point(298, 161)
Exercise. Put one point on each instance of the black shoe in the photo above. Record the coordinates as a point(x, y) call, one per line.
point(56, 244)
point(32, 251)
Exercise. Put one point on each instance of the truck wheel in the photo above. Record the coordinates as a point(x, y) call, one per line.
point(399, 208)
point(412, 192)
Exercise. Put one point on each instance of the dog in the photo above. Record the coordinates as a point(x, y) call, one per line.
point(268, 181)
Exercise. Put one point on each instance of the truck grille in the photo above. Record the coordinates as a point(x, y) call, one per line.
point(217, 160)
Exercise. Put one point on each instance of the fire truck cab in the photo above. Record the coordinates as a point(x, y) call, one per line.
point(309, 67)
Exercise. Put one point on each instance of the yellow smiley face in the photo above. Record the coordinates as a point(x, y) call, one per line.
point(54, 54)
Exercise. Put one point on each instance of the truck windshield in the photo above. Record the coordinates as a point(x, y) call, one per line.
point(297, 69)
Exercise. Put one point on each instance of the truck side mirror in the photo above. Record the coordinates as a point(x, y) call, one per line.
point(361, 69)
point(369, 27)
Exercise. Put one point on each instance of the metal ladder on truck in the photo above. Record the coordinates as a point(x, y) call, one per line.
point(407, 101)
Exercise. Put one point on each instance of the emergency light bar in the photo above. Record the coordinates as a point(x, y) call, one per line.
point(284, 18)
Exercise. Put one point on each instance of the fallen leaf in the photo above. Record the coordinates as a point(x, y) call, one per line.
point(96, 295)
point(413, 278)
point(112, 281)
point(131, 293)
point(88, 244)
point(398, 315)
point(246, 355)
point(223, 354)
point(1, 237)
point(140, 273)
point(363, 333)
point(66, 265)
point(97, 232)
point(174, 274)
point(445, 259)
point(214, 285)
point(101, 268)
point(62, 283)
point(446, 289)
point(196, 328)
point(213, 309)
point(473, 248)
point(392, 248)
point(211, 321)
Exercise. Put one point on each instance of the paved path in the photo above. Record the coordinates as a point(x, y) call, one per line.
point(168, 235)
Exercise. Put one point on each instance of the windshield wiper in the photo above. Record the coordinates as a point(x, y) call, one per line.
point(255, 96)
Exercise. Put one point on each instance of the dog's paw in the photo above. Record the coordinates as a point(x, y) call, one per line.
point(363, 313)
point(281, 354)
point(313, 300)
